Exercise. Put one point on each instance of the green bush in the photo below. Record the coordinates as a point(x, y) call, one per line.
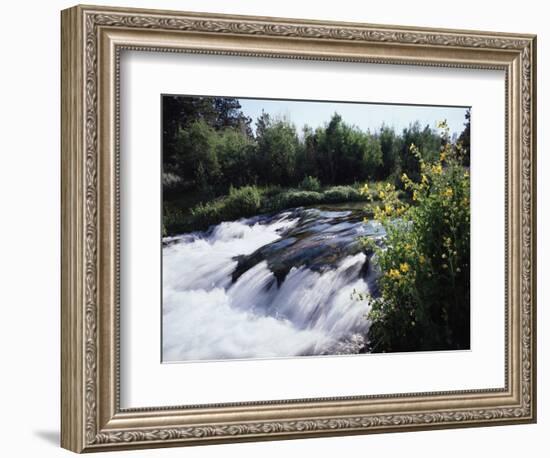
point(424, 301)
point(271, 191)
point(301, 198)
point(341, 194)
point(206, 214)
point(310, 183)
point(173, 220)
point(241, 202)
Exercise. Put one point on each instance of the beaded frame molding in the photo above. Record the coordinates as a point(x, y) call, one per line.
point(92, 40)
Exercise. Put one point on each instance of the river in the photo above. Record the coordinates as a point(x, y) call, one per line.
point(270, 286)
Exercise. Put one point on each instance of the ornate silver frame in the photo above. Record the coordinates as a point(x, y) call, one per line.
point(92, 39)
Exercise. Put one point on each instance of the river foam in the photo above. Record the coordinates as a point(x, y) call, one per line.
point(209, 315)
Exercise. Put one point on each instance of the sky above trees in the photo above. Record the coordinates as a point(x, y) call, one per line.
point(366, 116)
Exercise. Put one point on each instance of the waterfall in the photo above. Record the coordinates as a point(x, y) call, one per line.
point(211, 314)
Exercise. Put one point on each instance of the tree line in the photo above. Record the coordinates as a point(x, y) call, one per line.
point(210, 146)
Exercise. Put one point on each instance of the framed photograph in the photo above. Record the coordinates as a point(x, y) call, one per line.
point(278, 228)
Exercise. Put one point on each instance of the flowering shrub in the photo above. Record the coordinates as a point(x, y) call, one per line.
point(424, 301)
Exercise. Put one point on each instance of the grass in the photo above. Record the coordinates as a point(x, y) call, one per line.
point(249, 201)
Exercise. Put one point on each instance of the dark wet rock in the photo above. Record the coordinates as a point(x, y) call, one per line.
point(319, 240)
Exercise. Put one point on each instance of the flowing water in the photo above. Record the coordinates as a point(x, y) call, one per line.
point(269, 286)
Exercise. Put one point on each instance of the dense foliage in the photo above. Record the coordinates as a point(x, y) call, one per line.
point(209, 148)
point(208, 145)
point(424, 263)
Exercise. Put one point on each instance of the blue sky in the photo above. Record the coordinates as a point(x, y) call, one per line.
point(363, 115)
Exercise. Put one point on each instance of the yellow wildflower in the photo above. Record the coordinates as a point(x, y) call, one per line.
point(365, 189)
point(424, 179)
point(437, 169)
point(442, 156)
point(415, 195)
point(388, 209)
point(448, 193)
point(394, 273)
point(404, 267)
point(404, 178)
point(422, 259)
point(381, 194)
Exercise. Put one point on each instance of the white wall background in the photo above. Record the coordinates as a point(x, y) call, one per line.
point(29, 241)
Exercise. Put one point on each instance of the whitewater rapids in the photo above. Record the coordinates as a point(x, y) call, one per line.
point(266, 287)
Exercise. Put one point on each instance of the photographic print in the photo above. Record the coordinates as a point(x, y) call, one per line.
point(294, 228)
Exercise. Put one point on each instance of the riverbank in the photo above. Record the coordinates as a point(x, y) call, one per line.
point(253, 200)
